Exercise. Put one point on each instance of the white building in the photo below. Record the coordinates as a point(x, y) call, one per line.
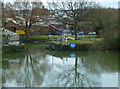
point(9, 36)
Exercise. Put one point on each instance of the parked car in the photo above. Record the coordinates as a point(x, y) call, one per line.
point(80, 33)
point(58, 39)
point(92, 33)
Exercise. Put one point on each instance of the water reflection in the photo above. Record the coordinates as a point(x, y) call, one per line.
point(40, 67)
point(74, 76)
point(29, 72)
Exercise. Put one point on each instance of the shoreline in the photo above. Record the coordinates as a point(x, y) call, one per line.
point(79, 47)
point(64, 46)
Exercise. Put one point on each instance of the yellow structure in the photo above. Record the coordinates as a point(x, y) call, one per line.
point(21, 32)
point(69, 37)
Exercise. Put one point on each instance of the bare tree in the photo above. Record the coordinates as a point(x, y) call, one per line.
point(72, 12)
point(26, 14)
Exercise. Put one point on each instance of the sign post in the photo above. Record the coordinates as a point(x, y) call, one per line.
point(73, 45)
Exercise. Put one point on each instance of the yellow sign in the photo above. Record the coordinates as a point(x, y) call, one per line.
point(20, 32)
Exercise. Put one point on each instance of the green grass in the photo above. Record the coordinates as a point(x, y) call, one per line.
point(44, 37)
point(83, 41)
point(55, 37)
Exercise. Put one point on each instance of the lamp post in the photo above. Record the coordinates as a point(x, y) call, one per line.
point(67, 27)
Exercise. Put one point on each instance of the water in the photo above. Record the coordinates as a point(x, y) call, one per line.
point(39, 67)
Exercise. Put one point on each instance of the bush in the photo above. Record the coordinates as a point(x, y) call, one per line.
point(111, 39)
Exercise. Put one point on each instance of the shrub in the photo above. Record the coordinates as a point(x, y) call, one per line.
point(111, 39)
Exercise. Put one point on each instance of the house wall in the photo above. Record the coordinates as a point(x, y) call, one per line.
point(35, 30)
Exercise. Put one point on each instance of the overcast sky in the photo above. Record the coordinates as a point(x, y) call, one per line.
point(104, 3)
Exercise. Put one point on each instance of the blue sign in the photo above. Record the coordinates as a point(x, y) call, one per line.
point(72, 45)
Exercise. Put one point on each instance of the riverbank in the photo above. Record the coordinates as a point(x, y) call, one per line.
point(13, 48)
point(84, 42)
point(71, 46)
point(92, 44)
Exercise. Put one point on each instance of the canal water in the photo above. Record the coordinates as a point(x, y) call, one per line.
point(40, 67)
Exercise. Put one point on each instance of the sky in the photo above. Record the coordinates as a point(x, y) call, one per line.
point(104, 3)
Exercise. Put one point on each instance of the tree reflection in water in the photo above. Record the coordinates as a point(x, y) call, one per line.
point(87, 69)
point(31, 71)
point(74, 76)
point(35, 69)
point(40, 67)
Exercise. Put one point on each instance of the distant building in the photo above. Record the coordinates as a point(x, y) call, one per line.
point(55, 29)
point(35, 29)
point(9, 36)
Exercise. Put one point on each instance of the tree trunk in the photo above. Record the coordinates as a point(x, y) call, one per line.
point(27, 35)
point(75, 32)
point(96, 29)
point(76, 67)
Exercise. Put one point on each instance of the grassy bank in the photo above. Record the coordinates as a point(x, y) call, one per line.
point(81, 41)
point(55, 37)
point(90, 42)
point(82, 44)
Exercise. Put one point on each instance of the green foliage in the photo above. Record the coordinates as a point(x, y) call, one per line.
point(5, 39)
point(105, 24)
point(104, 19)
point(111, 39)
